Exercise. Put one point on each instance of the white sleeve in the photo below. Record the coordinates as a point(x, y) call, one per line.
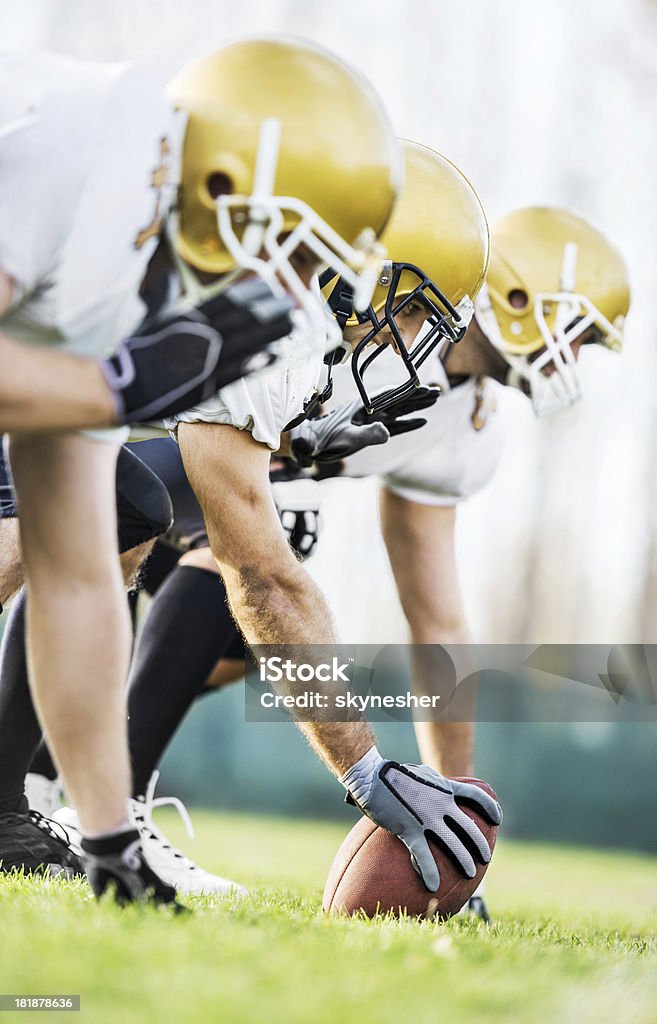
point(30, 229)
point(262, 404)
point(265, 403)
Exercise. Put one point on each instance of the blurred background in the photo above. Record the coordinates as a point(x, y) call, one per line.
point(537, 103)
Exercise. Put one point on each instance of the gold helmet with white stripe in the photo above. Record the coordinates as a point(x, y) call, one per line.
point(553, 278)
point(285, 145)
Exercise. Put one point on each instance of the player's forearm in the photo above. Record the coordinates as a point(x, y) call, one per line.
point(286, 608)
point(46, 390)
point(339, 744)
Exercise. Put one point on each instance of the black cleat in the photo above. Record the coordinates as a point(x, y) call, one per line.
point(117, 865)
point(476, 907)
point(36, 845)
point(187, 357)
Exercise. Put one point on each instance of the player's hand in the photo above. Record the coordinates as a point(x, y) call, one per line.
point(413, 801)
point(350, 428)
point(390, 416)
point(297, 501)
point(187, 357)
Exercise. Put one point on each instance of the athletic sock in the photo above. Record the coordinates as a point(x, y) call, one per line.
point(188, 629)
point(20, 732)
point(100, 837)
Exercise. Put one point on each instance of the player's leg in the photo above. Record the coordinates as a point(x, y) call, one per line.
point(26, 841)
point(78, 641)
point(22, 842)
point(187, 630)
point(144, 511)
point(420, 543)
point(42, 784)
point(77, 622)
point(11, 559)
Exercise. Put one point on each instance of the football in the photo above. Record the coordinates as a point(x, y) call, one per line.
point(372, 874)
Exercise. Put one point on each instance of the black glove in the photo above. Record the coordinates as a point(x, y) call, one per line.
point(421, 398)
point(349, 428)
point(187, 357)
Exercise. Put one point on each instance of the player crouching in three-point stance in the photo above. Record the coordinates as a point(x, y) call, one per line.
point(226, 443)
point(71, 279)
point(554, 284)
point(71, 271)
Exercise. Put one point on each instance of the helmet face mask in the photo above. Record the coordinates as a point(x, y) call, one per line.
point(438, 248)
point(445, 323)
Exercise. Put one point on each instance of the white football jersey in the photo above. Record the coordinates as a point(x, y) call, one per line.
point(450, 458)
point(89, 160)
point(265, 403)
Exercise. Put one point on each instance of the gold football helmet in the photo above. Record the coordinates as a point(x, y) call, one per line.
point(438, 246)
point(285, 145)
point(553, 277)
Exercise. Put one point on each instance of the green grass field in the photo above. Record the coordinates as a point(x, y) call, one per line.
point(573, 941)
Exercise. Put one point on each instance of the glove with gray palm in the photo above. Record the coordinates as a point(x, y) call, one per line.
point(413, 802)
point(349, 428)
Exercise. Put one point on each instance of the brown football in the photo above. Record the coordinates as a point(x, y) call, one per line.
point(372, 874)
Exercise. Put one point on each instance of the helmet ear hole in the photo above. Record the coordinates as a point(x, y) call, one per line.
point(219, 184)
point(518, 298)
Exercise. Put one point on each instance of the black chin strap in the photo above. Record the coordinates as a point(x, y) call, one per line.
point(341, 299)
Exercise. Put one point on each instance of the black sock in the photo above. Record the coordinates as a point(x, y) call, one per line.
point(20, 732)
point(187, 630)
point(42, 762)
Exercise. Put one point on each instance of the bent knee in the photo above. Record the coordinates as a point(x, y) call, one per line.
point(144, 506)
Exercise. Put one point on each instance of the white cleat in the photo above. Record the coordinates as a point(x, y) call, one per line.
point(43, 795)
point(172, 865)
point(67, 817)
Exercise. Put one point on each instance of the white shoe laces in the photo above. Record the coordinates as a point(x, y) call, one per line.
point(143, 814)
